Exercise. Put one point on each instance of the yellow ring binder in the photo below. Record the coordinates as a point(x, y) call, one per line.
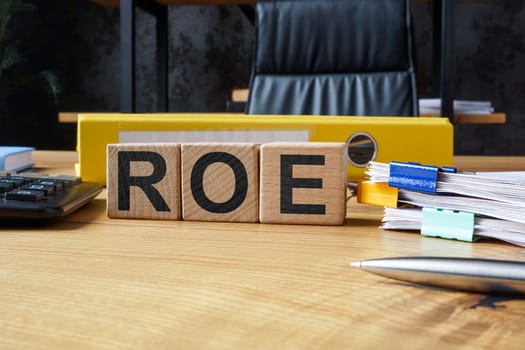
point(426, 140)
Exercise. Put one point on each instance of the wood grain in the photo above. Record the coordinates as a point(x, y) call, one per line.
point(490, 163)
point(131, 169)
point(91, 282)
point(228, 189)
point(303, 183)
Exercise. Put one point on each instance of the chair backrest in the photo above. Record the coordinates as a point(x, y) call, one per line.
point(333, 57)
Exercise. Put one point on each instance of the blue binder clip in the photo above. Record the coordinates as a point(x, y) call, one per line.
point(449, 224)
point(415, 176)
point(448, 169)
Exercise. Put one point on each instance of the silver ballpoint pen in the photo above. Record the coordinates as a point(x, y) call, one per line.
point(466, 274)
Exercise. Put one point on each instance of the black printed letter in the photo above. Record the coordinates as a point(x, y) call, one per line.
point(288, 183)
point(241, 182)
point(125, 180)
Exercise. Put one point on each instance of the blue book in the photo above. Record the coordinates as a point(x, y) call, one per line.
point(16, 158)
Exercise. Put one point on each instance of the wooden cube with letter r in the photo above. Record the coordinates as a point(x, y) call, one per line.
point(143, 181)
point(220, 182)
point(303, 183)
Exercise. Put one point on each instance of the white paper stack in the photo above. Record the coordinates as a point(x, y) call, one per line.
point(432, 106)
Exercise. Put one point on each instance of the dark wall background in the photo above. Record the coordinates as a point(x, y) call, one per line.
point(210, 53)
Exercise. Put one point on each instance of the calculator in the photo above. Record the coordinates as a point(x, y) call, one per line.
point(28, 198)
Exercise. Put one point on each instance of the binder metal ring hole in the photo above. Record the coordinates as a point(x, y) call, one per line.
point(362, 148)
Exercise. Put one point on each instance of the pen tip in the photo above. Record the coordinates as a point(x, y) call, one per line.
point(355, 264)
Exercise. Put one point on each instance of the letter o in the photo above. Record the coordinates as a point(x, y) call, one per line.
point(241, 182)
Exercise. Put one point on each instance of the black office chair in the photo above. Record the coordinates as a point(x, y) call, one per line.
point(333, 57)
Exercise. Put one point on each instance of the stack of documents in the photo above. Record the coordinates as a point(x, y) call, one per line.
point(443, 202)
point(433, 106)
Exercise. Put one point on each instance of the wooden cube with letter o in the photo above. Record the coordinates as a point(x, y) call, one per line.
point(220, 182)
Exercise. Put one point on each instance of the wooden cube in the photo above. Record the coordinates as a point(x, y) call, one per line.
point(303, 183)
point(143, 181)
point(220, 182)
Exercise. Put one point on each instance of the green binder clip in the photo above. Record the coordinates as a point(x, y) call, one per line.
point(449, 224)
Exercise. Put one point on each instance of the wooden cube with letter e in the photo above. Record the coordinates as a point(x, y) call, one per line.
point(303, 183)
point(220, 182)
point(143, 181)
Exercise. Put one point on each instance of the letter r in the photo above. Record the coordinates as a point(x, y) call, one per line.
point(145, 183)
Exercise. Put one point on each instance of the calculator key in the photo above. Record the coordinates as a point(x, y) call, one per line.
point(34, 176)
point(17, 182)
point(58, 185)
point(69, 179)
point(6, 187)
point(24, 195)
point(46, 189)
point(19, 179)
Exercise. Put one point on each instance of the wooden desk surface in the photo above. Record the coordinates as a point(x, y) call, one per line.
point(94, 283)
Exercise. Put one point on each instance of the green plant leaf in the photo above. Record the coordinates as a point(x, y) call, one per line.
point(52, 83)
point(8, 58)
point(7, 9)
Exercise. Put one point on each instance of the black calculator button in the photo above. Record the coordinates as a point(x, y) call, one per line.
point(11, 180)
point(19, 179)
point(24, 195)
point(46, 189)
point(6, 187)
point(69, 180)
point(58, 185)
